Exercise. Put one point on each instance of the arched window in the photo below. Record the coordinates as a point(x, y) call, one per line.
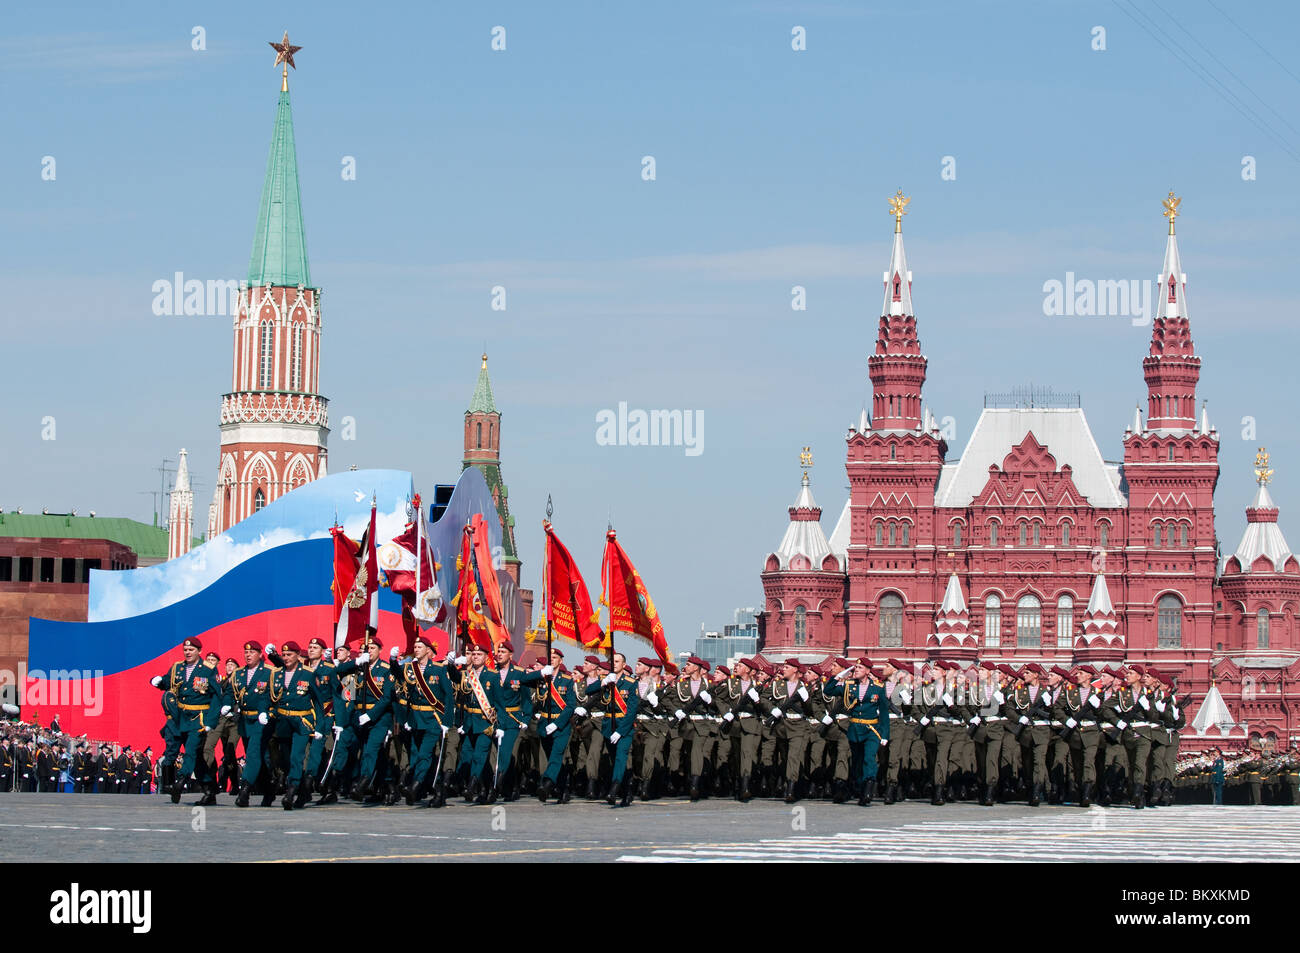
point(1169, 626)
point(907, 534)
point(1065, 534)
point(268, 352)
point(479, 441)
point(1024, 534)
point(992, 622)
point(1038, 533)
point(1182, 535)
point(1261, 629)
point(1103, 534)
point(891, 620)
point(880, 533)
point(993, 533)
point(296, 377)
point(893, 453)
point(1064, 622)
point(800, 626)
point(1171, 453)
point(893, 530)
point(1029, 622)
point(956, 534)
point(1155, 535)
point(259, 500)
point(489, 443)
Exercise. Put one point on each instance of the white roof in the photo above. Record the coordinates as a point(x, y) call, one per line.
point(1263, 538)
point(1172, 266)
point(953, 601)
point(1063, 431)
point(898, 266)
point(1099, 602)
point(839, 542)
point(803, 537)
point(1214, 713)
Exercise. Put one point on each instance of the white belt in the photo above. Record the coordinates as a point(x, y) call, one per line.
point(944, 721)
point(644, 717)
point(745, 714)
point(699, 717)
point(993, 718)
point(794, 717)
point(1040, 723)
point(1144, 724)
point(597, 714)
point(1088, 724)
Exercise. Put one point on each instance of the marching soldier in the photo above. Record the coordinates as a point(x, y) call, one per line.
point(294, 701)
point(373, 711)
point(1127, 712)
point(248, 700)
point(589, 735)
point(790, 703)
point(554, 729)
point(691, 702)
point(432, 702)
point(652, 724)
point(322, 672)
point(477, 695)
point(620, 700)
point(1077, 709)
point(224, 727)
point(864, 700)
point(514, 694)
point(1031, 708)
point(194, 684)
point(744, 713)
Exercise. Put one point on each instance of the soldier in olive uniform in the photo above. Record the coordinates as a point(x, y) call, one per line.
point(744, 714)
point(1030, 706)
point(514, 693)
point(790, 703)
point(1078, 710)
point(691, 702)
point(194, 685)
point(652, 719)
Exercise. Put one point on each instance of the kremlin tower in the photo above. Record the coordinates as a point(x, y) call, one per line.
point(274, 424)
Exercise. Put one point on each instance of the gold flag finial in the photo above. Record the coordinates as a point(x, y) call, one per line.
point(898, 208)
point(1262, 472)
point(806, 460)
point(284, 51)
point(1171, 209)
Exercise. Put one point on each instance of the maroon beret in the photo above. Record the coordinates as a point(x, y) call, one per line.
point(291, 646)
point(651, 662)
point(506, 644)
point(192, 641)
point(425, 639)
point(253, 644)
point(316, 640)
point(606, 664)
point(724, 670)
point(898, 664)
point(592, 659)
point(696, 660)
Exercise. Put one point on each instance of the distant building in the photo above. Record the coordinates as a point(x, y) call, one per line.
point(738, 640)
point(45, 564)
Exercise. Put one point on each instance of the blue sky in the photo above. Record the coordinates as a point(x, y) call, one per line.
point(522, 168)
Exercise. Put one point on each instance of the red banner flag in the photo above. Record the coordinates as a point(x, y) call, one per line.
point(631, 609)
point(346, 551)
point(568, 605)
point(478, 597)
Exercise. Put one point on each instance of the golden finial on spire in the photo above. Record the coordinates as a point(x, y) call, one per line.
point(1171, 209)
point(284, 51)
point(898, 208)
point(806, 460)
point(1262, 472)
point(485, 360)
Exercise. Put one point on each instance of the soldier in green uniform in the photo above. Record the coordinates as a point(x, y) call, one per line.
point(431, 695)
point(589, 734)
point(863, 699)
point(620, 700)
point(373, 712)
point(322, 672)
point(1172, 718)
point(1127, 713)
point(224, 730)
point(248, 697)
point(477, 695)
point(194, 685)
point(555, 727)
point(295, 701)
point(514, 695)
point(720, 746)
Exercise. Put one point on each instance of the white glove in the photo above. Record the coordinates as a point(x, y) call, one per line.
point(680, 714)
point(1123, 725)
point(906, 696)
point(225, 709)
point(156, 681)
point(884, 742)
point(999, 697)
point(547, 670)
point(460, 730)
point(580, 711)
point(752, 693)
point(406, 725)
point(445, 729)
point(827, 720)
point(1160, 706)
point(1142, 700)
point(363, 720)
point(803, 693)
point(1024, 719)
point(337, 731)
point(947, 698)
point(1094, 701)
point(1071, 723)
point(708, 699)
point(363, 658)
point(844, 673)
point(976, 719)
point(317, 735)
point(1175, 712)
point(924, 721)
point(776, 713)
point(611, 677)
point(551, 729)
point(393, 653)
point(262, 719)
point(461, 660)
point(613, 739)
point(652, 698)
point(500, 735)
point(728, 717)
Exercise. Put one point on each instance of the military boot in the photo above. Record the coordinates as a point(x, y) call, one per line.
point(177, 786)
point(439, 795)
point(629, 791)
point(289, 794)
point(986, 795)
point(790, 795)
point(304, 794)
point(209, 795)
point(695, 787)
point(1085, 794)
point(241, 800)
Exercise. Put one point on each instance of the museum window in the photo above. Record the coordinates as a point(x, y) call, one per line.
point(1065, 534)
point(907, 534)
point(1038, 533)
point(1029, 623)
point(1261, 629)
point(1169, 625)
point(893, 529)
point(880, 534)
point(1171, 453)
point(992, 622)
point(1024, 534)
point(1182, 535)
point(956, 534)
point(259, 500)
point(893, 453)
point(891, 620)
point(1103, 534)
point(1064, 622)
point(800, 626)
point(993, 534)
point(1155, 535)
point(297, 358)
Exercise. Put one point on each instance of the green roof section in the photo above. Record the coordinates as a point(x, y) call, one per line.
point(280, 243)
point(482, 402)
point(148, 542)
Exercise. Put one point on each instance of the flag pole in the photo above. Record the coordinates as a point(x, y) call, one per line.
point(546, 580)
point(609, 592)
